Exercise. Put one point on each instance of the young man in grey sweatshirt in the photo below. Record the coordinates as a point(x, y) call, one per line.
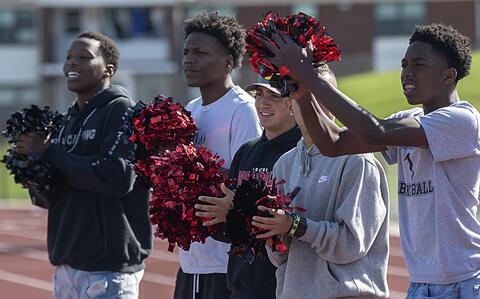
point(338, 247)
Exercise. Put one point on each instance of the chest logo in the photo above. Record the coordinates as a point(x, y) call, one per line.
point(322, 179)
point(410, 164)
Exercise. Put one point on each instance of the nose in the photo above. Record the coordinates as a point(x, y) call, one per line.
point(264, 100)
point(71, 61)
point(407, 72)
point(188, 59)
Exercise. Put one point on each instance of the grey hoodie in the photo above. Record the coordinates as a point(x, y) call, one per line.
point(344, 251)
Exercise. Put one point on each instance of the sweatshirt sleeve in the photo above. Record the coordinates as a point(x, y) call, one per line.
point(277, 257)
point(41, 199)
point(105, 172)
point(360, 214)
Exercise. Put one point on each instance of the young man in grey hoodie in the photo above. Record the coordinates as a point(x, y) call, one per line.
point(338, 247)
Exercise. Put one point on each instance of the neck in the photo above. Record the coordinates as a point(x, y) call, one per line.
point(307, 140)
point(83, 98)
point(270, 134)
point(211, 93)
point(451, 98)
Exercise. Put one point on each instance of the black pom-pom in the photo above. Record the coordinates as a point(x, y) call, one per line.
point(249, 195)
point(31, 171)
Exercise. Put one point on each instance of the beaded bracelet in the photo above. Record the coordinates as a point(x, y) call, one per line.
point(296, 221)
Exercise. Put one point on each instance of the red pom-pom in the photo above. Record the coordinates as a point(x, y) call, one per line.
point(303, 29)
point(163, 123)
point(179, 178)
point(156, 127)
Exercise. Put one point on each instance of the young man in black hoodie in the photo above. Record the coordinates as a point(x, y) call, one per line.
point(256, 158)
point(99, 231)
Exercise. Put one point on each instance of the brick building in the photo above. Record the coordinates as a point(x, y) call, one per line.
point(35, 34)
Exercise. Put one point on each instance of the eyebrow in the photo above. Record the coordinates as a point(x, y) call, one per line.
point(417, 59)
point(194, 48)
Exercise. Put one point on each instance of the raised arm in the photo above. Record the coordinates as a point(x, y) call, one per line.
point(364, 126)
point(330, 139)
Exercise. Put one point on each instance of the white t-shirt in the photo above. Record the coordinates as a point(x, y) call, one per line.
point(438, 195)
point(223, 126)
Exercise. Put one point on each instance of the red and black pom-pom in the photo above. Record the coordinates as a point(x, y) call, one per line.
point(178, 179)
point(153, 128)
point(303, 29)
point(249, 195)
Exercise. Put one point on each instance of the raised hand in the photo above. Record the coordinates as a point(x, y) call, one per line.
point(290, 55)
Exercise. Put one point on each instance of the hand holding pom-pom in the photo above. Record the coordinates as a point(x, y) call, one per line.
point(264, 39)
point(253, 199)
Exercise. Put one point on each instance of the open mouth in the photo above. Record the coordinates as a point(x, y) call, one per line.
point(72, 75)
point(409, 86)
point(266, 113)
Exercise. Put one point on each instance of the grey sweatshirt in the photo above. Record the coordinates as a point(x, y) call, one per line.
point(344, 251)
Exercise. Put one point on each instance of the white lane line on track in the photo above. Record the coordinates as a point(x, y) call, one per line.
point(397, 295)
point(43, 256)
point(38, 235)
point(32, 253)
point(397, 271)
point(160, 254)
point(396, 251)
point(26, 281)
point(159, 278)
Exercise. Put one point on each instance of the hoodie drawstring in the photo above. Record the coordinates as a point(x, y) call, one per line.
point(305, 162)
point(196, 284)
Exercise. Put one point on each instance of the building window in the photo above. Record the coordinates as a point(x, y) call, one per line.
point(73, 24)
point(23, 95)
point(17, 26)
point(398, 18)
point(225, 10)
point(139, 22)
point(308, 9)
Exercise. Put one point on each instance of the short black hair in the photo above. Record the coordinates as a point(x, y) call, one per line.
point(108, 47)
point(225, 28)
point(448, 41)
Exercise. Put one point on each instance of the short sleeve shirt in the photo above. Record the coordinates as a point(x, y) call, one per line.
point(438, 195)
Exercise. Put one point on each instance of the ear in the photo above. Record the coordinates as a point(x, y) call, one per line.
point(288, 103)
point(109, 70)
point(229, 62)
point(451, 75)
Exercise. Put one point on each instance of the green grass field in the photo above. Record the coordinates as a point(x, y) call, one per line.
point(8, 189)
point(380, 93)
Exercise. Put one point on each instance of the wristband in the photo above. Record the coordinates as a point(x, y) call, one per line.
point(301, 228)
point(295, 223)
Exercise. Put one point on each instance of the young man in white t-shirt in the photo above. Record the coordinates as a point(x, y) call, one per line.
point(226, 118)
point(437, 149)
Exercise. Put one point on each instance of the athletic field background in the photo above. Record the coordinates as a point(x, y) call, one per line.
point(379, 93)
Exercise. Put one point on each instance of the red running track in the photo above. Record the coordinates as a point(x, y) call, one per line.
point(25, 272)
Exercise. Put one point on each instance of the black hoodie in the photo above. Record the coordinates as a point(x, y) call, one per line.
point(98, 216)
point(256, 158)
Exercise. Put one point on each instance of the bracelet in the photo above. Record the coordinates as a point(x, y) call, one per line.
point(301, 229)
point(296, 222)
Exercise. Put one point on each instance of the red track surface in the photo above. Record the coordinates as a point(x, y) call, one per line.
point(25, 272)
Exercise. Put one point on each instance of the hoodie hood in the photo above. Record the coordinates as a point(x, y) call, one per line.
point(305, 155)
point(103, 97)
